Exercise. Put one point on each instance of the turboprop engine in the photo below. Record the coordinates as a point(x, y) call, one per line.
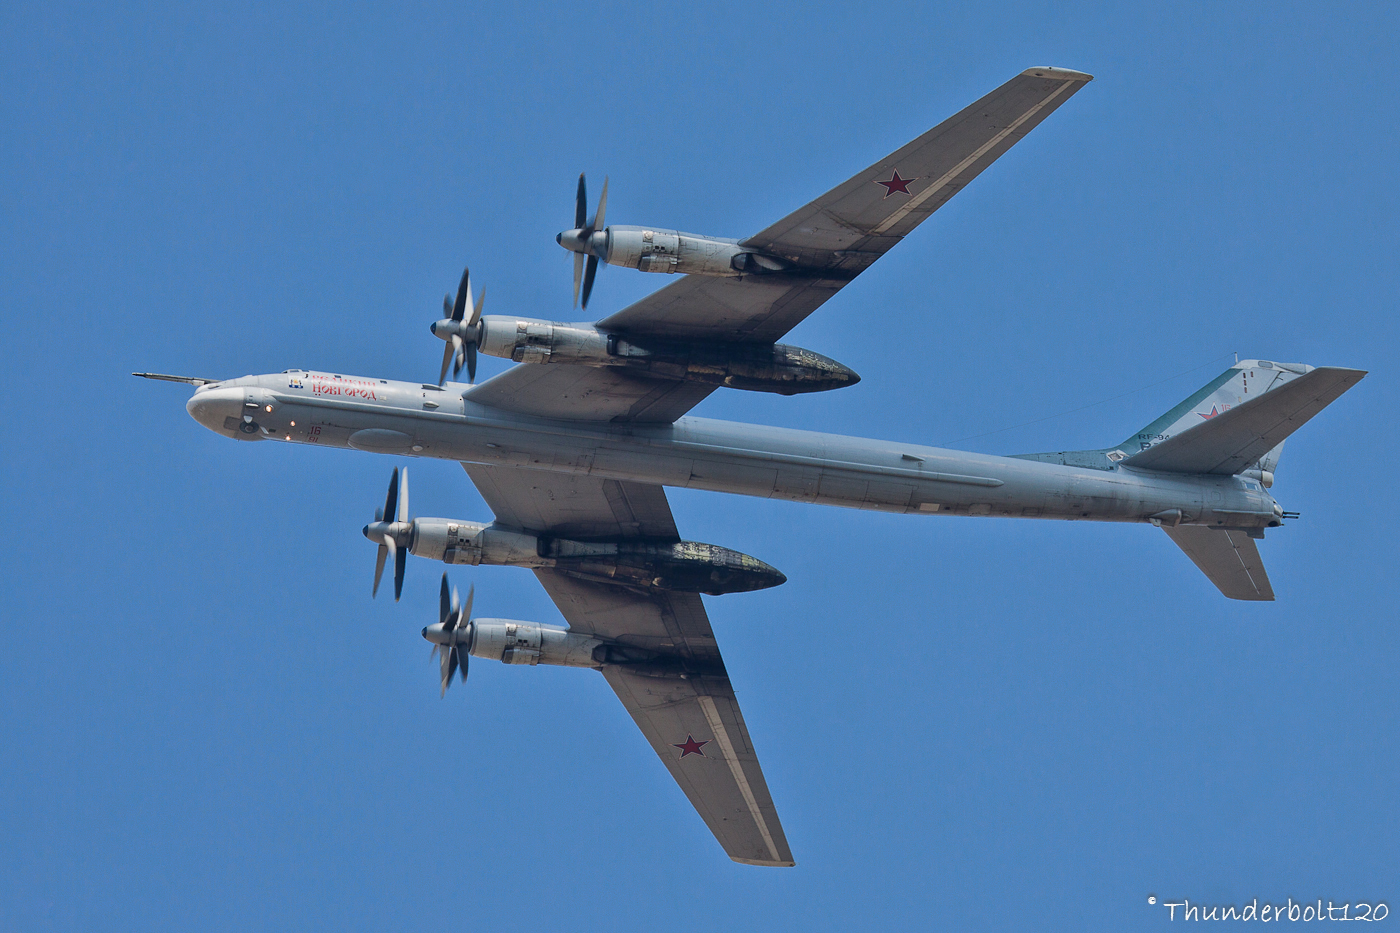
point(681, 566)
point(457, 637)
point(650, 249)
point(653, 250)
point(755, 367)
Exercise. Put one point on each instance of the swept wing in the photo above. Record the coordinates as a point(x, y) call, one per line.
point(840, 234)
point(827, 244)
point(686, 708)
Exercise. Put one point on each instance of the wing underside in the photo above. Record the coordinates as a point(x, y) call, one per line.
point(588, 393)
point(678, 693)
point(696, 729)
point(822, 247)
point(836, 237)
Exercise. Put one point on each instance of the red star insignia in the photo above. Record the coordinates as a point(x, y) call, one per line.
point(896, 184)
point(691, 747)
point(1213, 412)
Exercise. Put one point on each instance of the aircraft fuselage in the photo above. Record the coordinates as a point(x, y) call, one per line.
point(409, 419)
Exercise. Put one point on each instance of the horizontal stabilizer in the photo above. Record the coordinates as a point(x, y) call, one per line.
point(1233, 440)
point(1227, 556)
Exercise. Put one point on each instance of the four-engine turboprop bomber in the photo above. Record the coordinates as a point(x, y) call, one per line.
point(572, 448)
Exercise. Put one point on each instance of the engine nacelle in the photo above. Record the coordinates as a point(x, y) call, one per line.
point(527, 340)
point(686, 253)
point(513, 642)
point(760, 367)
point(455, 542)
point(682, 566)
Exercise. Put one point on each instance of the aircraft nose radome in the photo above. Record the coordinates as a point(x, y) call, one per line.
point(211, 406)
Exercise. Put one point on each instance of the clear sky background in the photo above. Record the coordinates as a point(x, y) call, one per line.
point(206, 723)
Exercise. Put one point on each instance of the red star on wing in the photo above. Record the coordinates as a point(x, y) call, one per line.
point(896, 184)
point(691, 747)
point(1213, 412)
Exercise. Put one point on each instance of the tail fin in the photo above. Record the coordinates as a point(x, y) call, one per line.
point(1236, 422)
point(1254, 407)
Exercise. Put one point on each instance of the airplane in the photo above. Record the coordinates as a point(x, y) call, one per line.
point(572, 449)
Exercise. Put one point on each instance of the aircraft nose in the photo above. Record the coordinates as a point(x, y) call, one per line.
point(212, 407)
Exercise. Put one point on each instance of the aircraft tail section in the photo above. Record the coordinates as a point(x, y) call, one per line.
point(1228, 557)
point(1253, 407)
point(1236, 422)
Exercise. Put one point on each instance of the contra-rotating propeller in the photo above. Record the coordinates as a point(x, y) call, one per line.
point(452, 636)
point(461, 333)
point(588, 236)
point(394, 532)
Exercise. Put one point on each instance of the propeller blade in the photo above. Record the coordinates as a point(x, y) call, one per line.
point(588, 278)
point(463, 289)
point(446, 361)
point(392, 499)
point(463, 657)
point(581, 204)
point(403, 497)
point(450, 624)
point(471, 363)
point(456, 355)
point(444, 601)
point(467, 609)
point(446, 305)
point(449, 667)
point(400, 559)
point(602, 207)
point(379, 568)
point(476, 307)
point(578, 275)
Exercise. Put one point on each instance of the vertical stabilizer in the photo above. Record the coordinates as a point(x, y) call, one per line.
point(1247, 379)
point(1237, 438)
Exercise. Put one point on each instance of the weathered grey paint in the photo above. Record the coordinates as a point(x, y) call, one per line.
point(699, 453)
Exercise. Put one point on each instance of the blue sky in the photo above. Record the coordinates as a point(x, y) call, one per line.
point(966, 724)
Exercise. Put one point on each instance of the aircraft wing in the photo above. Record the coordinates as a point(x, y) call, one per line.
point(588, 393)
point(829, 242)
point(695, 726)
point(840, 234)
point(686, 707)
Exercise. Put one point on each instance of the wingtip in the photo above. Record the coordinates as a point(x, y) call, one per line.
point(1064, 74)
point(763, 863)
